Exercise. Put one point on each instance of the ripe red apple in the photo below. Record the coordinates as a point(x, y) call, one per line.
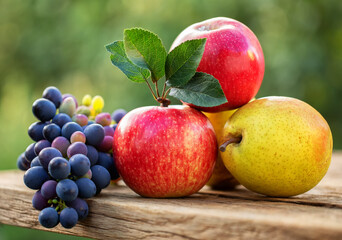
point(232, 54)
point(165, 151)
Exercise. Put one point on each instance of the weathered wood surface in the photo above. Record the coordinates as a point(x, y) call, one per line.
point(118, 213)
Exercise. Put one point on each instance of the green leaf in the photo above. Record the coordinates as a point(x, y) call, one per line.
point(146, 50)
point(182, 62)
point(120, 59)
point(202, 90)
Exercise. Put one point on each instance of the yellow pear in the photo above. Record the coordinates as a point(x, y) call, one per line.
point(277, 146)
point(221, 178)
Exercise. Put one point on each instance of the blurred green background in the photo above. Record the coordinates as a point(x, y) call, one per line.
point(61, 43)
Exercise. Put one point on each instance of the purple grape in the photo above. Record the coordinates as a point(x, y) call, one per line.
point(67, 190)
point(22, 162)
point(114, 126)
point(61, 119)
point(59, 168)
point(94, 134)
point(101, 176)
point(107, 161)
point(35, 177)
point(106, 145)
point(39, 202)
point(68, 217)
point(81, 119)
point(109, 131)
point(43, 109)
point(103, 119)
point(78, 137)
point(41, 145)
point(80, 164)
point(54, 95)
point(118, 114)
point(92, 155)
point(35, 162)
point(29, 152)
point(35, 131)
point(47, 154)
point(69, 128)
point(80, 206)
point(51, 131)
point(86, 188)
point(77, 148)
point(48, 190)
point(48, 217)
point(62, 144)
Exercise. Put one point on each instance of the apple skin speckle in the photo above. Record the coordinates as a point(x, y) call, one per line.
point(165, 151)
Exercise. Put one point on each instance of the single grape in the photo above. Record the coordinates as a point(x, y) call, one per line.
point(78, 137)
point(114, 126)
point(59, 168)
point(61, 119)
point(106, 145)
point(67, 190)
point(107, 161)
point(101, 176)
point(48, 190)
point(80, 206)
point(35, 162)
point(66, 95)
point(35, 131)
point(68, 106)
point(29, 152)
point(68, 217)
point(35, 177)
point(118, 114)
point(41, 145)
point(69, 128)
point(103, 119)
point(109, 131)
point(86, 188)
point(51, 131)
point(92, 155)
point(43, 109)
point(80, 164)
point(22, 162)
point(94, 134)
point(86, 100)
point(83, 110)
point(81, 119)
point(48, 217)
point(77, 148)
point(97, 103)
point(47, 154)
point(54, 95)
point(39, 202)
point(62, 144)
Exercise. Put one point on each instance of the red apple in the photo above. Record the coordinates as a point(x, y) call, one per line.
point(165, 151)
point(232, 54)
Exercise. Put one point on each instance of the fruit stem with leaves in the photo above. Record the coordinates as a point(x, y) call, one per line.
point(142, 56)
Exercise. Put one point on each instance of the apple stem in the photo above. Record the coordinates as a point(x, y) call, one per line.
point(229, 141)
point(149, 86)
point(156, 87)
point(164, 102)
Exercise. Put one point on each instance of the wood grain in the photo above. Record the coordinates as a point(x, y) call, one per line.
point(118, 213)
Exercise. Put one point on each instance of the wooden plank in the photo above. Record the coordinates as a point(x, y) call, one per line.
point(118, 213)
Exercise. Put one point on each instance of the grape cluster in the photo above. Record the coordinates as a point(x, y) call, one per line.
point(71, 158)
